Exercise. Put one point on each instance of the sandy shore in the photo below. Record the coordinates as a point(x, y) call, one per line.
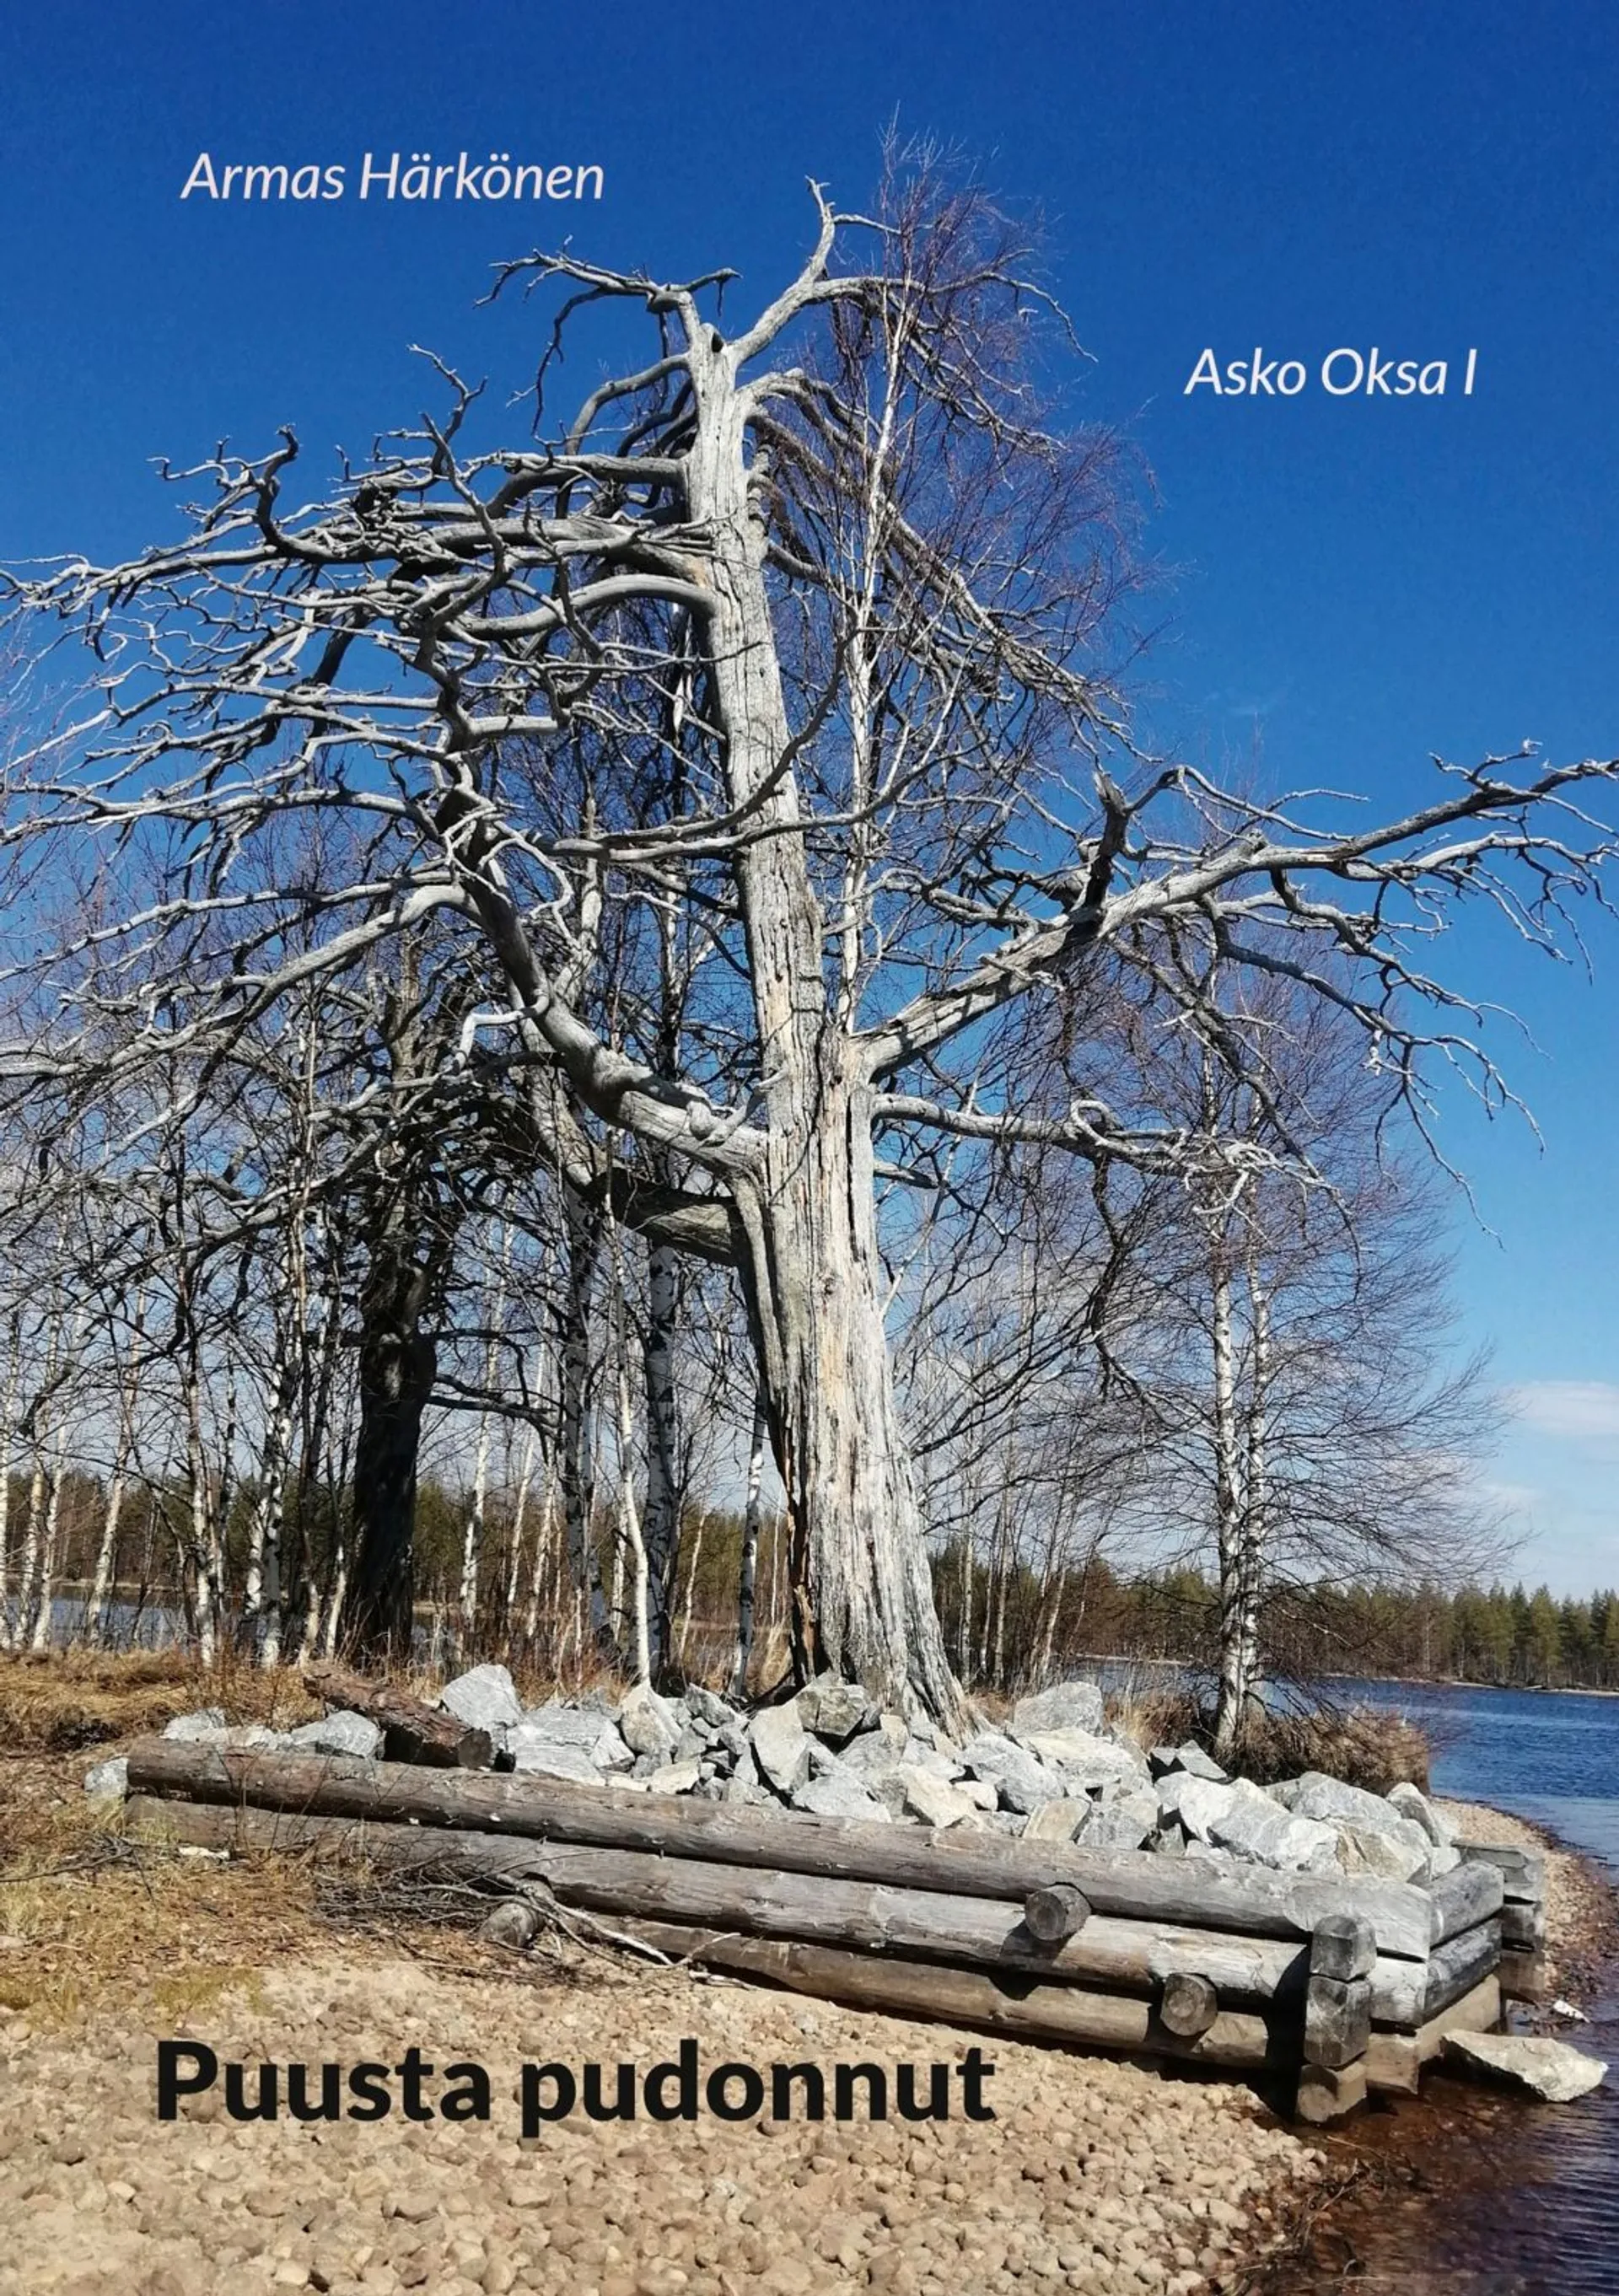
point(1094, 2175)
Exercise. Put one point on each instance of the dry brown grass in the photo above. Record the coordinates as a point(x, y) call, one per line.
point(55, 1701)
point(91, 1921)
point(1365, 1746)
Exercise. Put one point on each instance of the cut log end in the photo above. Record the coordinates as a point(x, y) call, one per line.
point(1056, 1913)
point(1188, 2005)
point(1327, 2092)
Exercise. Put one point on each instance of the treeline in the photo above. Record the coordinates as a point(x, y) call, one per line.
point(1006, 1624)
point(1511, 1636)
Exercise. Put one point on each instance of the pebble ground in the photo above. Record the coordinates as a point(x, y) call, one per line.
point(1096, 2175)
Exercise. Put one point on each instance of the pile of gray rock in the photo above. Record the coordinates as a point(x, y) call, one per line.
point(1056, 1770)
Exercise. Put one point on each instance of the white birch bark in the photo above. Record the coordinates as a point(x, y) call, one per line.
point(1228, 1502)
point(7, 1439)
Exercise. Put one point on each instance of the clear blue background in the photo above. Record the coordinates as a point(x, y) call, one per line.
point(1348, 586)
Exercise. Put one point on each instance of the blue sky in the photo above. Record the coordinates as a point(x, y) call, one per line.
point(1351, 583)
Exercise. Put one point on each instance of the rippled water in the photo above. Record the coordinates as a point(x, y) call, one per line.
point(1508, 2199)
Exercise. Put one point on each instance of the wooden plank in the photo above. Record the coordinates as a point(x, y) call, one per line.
point(1523, 1871)
point(1394, 2061)
point(1240, 2040)
point(1327, 2092)
point(1122, 1956)
point(412, 1730)
point(1469, 1894)
point(1337, 2020)
point(1460, 1964)
point(1133, 1884)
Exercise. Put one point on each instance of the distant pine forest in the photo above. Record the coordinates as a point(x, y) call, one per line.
point(1511, 1636)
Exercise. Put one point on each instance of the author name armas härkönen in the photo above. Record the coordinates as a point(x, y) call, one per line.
point(409, 177)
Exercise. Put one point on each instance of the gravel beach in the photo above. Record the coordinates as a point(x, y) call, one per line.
point(1093, 2176)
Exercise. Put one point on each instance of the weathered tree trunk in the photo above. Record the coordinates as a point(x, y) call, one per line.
point(861, 1591)
point(7, 1438)
point(631, 1538)
point(1256, 1498)
point(577, 1462)
point(106, 1553)
point(261, 1588)
point(49, 1562)
point(661, 1528)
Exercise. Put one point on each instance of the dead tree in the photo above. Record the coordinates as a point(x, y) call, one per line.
point(837, 555)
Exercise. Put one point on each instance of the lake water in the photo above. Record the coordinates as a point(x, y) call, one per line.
point(1509, 2198)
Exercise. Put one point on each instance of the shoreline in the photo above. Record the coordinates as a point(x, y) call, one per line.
point(1421, 2160)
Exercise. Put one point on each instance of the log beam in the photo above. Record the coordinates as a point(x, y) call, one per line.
point(1107, 1954)
point(1394, 2061)
point(1188, 2005)
point(1133, 1885)
point(413, 1732)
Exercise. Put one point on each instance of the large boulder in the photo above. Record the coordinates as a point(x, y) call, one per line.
point(341, 1732)
point(707, 1706)
point(1382, 1856)
point(879, 1748)
point(1244, 1819)
point(559, 1724)
point(1163, 1761)
point(1056, 1821)
point(485, 1698)
point(1548, 2069)
point(676, 1778)
point(1360, 1815)
point(839, 1793)
point(204, 1727)
point(1412, 1803)
point(1065, 1706)
point(917, 1755)
point(548, 1757)
point(833, 1709)
point(648, 1724)
point(932, 1799)
point(1124, 1823)
point(781, 1747)
point(1086, 1761)
point(1317, 1796)
point(1192, 1802)
point(1024, 1785)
